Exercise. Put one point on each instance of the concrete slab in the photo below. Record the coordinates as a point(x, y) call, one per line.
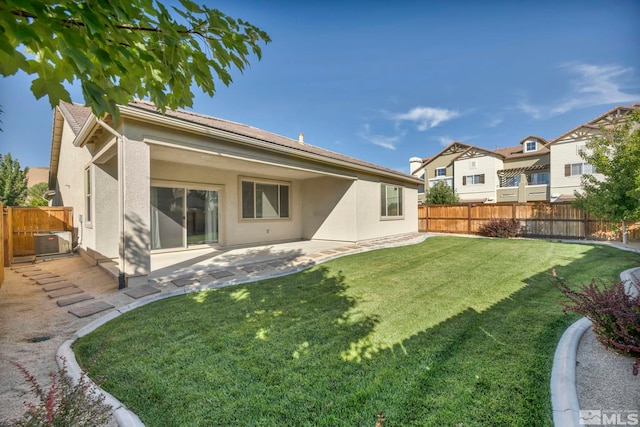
point(65, 292)
point(221, 274)
point(142, 291)
point(59, 285)
point(31, 273)
point(186, 281)
point(43, 276)
point(90, 309)
point(50, 280)
point(74, 300)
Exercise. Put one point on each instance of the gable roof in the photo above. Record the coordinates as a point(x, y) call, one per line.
point(517, 151)
point(78, 116)
point(611, 117)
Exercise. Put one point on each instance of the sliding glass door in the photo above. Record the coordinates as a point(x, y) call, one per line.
point(182, 217)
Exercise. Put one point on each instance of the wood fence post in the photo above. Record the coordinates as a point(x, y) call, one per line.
point(469, 218)
point(428, 213)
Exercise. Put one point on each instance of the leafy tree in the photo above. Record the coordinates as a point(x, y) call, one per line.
point(35, 195)
point(616, 155)
point(441, 194)
point(123, 49)
point(13, 181)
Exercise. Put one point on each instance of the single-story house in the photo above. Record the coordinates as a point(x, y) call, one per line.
point(175, 181)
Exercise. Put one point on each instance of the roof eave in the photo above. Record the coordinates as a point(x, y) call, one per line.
point(156, 118)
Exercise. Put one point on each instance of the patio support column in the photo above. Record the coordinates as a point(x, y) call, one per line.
point(134, 170)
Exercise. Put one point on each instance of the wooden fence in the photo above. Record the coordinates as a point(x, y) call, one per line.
point(1, 249)
point(541, 219)
point(20, 224)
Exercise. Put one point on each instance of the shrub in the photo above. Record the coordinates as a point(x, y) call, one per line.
point(64, 403)
point(500, 228)
point(441, 194)
point(615, 315)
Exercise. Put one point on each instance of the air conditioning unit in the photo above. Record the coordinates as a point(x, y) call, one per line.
point(53, 242)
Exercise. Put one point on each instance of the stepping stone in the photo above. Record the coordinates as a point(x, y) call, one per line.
point(74, 300)
point(354, 247)
point(27, 270)
point(188, 281)
point(328, 252)
point(50, 280)
point(65, 292)
point(342, 249)
point(221, 274)
point(313, 256)
point(59, 285)
point(33, 273)
point(89, 309)
point(142, 291)
point(278, 264)
point(252, 268)
point(44, 276)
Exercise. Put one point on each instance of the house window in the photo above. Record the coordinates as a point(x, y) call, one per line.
point(265, 200)
point(572, 169)
point(539, 178)
point(441, 171)
point(473, 179)
point(87, 194)
point(391, 201)
point(512, 181)
point(530, 146)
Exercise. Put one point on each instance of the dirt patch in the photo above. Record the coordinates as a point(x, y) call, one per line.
point(33, 326)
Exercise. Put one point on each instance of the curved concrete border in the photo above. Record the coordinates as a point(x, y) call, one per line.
point(564, 393)
point(127, 418)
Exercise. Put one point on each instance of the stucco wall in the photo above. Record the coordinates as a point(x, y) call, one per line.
point(329, 209)
point(561, 154)
point(70, 184)
point(105, 225)
point(487, 165)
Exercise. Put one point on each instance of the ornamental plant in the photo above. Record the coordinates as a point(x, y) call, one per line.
point(64, 403)
point(614, 313)
point(500, 228)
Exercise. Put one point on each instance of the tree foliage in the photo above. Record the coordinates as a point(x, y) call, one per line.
point(441, 194)
point(13, 181)
point(35, 195)
point(616, 155)
point(123, 49)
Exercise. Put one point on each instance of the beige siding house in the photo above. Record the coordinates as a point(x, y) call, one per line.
point(567, 166)
point(176, 181)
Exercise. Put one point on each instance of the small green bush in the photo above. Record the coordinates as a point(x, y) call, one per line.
point(500, 228)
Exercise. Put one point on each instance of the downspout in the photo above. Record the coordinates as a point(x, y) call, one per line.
point(122, 282)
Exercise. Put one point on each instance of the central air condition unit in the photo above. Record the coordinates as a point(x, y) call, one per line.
point(54, 242)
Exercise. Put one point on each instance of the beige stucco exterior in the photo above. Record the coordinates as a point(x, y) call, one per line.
point(486, 165)
point(328, 199)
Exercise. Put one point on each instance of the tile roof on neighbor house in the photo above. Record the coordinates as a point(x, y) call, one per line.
point(272, 139)
point(76, 115)
point(518, 151)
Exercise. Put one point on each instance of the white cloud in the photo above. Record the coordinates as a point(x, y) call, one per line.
point(427, 117)
point(388, 142)
point(495, 122)
point(592, 85)
point(445, 140)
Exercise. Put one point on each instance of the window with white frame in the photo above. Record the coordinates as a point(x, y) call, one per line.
point(473, 179)
point(530, 146)
point(265, 199)
point(391, 201)
point(441, 171)
point(87, 194)
point(573, 169)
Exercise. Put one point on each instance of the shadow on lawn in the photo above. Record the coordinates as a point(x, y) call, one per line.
point(271, 353)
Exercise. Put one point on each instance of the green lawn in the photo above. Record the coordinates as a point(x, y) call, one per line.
point(453, 331)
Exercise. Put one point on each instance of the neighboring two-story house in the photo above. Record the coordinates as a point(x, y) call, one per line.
point(533, 170)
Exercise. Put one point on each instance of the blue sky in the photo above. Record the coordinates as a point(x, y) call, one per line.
point(385, 81)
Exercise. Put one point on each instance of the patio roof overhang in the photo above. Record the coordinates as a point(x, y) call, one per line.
point(506, 173)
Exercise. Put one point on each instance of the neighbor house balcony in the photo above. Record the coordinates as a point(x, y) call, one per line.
point(524, 184)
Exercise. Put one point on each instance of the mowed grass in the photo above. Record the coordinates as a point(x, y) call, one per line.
point(453, 331)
